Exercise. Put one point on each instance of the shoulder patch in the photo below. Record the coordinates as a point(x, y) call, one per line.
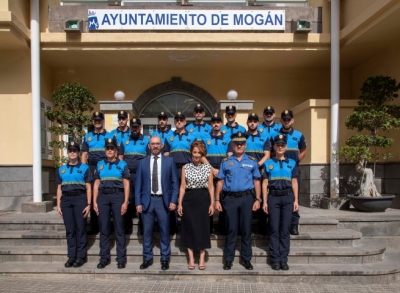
point(90, 138)
point(63, 171)
point(223, 131)
point(225, 159)
point(261, 130)
point(127, 142)
point(252, 158)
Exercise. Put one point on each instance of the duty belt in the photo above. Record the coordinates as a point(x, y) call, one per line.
point(280, 192)
point(73, 193)
point(111, 190)
point(239, 194)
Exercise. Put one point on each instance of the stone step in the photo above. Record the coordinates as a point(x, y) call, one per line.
point(383, 272)
point(367, 252)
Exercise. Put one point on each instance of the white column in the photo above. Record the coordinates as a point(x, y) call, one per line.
point(35, 81)
point(335, 95)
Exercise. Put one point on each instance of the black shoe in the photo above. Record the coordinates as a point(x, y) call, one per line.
point(146, 264)
point(78, 262)
point(92, 232)
point(128, 230)
point(121, 265)
point(164, 265)
point(102, 264)
point(70, 262)
point(227, 265)
point(276, 266)
point(247, 265)
point(284, 266)
point(294, 230)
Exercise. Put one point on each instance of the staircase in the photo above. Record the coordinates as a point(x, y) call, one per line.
point(35, 244)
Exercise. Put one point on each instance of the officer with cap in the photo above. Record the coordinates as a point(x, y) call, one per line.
point(239, 181)
point(111, 197)
point(296, 150)
point(269, 128)
point(74, 200)
point(178, 147)
point(231, 125)
point(199, 128)
point(163, 131)
point(135, 149)
point(122, 131)
point(280, 200)
point(92, 152)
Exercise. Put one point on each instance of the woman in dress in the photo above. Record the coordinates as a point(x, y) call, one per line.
point(111, 197)
point(280, 197)
point(196, 204)
point(73, 204)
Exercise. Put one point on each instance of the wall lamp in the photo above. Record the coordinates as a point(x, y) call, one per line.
point(73, 25)
point(301, 26)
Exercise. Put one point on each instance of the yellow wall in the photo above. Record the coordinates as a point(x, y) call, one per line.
point(351, 9)
point(21, 9)
point(4, 5)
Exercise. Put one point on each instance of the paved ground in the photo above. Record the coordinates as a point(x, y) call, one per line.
point(42, 285)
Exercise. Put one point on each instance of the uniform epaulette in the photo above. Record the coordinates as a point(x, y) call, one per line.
point(252, 158)
point(225, 159)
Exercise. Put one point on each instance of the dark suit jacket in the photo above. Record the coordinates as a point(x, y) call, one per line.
point(169, 182)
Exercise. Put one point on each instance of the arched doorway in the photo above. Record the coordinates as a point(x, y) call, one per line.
point(171, 97)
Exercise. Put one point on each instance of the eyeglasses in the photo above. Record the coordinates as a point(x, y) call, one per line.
point(73, 151)
point(198, 111)
point(155, 144)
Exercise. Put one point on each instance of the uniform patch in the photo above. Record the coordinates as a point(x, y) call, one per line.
point(208, 142)
point(261, 130)
point(79, 171)
point(90, 138)
point(271, 167)
point(101, 167)
point(191, 129)
point(127, 142)
point(224, 131)
point(63, 171)
point(230, 164)
point(142, 143)
point(171, 138)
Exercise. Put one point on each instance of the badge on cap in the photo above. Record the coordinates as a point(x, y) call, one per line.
point(230, 107)
point(280, 136)
point(72, 143)
point(230, 164)
point(90, 138)
point(97, 113)
point(63, 171)
point(179, 113)
point(253, 114)
point(215, 115)
point(127, 142)
point(134, 120)
point(198, 105)
point(109, 140)
point(121, 112)
point(269, 107)
point(208, 142)
point(271, 167)
point(286, 112)
point(162, 113)
point(101, 167)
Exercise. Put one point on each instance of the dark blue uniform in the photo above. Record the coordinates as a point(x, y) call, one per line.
point(229, 130)
point(73, 179)
point(199, 131)
point(269, 131)
point(164, 135)
point(237, 202)
point(178, 147)
point(109, 201)
point(120, 136)
point(217, 149)
point(280, 201)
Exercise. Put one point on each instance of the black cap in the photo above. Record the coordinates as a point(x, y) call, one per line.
point(98, 116)
point(216, 117)
point(287, 114)
point(239, 137)
point(198, 107)
point(180, 115)
point(72, 145)
point(253, 116)
point(135, 122)
point(280, 138)
point(162, 115)
point(111, 142)
point(122, 114)
point(230, 109)
point(269, 109)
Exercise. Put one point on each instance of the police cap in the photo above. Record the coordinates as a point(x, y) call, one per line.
point(253, 116)
point(216, 117)
point(72, 145)
point(162, 115)
point(111, 142)
point(122, 114)
point(180, 115)
point(280, 138)
point(239, 137)
point(135, 122)
point(230, 109)
point(287, 114)
point(198, 107)
point(98, 116)
point(269, 109)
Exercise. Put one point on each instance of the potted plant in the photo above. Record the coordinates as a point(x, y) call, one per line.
point(374, 115)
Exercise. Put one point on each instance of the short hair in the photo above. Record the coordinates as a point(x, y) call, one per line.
point(200, 145)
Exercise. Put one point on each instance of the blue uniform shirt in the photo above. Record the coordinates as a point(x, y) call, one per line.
point(135, 149)
point(178, 147)
point(256, 145)
point(164, 135)
point(73, 177)
point(280, 173)
point(238, 176)
point(228, 130)
point(199, 131)
point(269, 131)
point(295, 142)
point(111, 174)
point(94, 144)
point(120, 136)
point(217, 149)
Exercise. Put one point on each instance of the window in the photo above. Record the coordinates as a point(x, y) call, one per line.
point(46, 136)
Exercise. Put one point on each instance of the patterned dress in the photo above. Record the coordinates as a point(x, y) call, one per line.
point(195, 204)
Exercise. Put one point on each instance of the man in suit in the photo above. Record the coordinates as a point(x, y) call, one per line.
point(156, 195)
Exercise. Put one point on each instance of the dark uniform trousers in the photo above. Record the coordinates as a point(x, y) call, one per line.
point(94, 221)
point(238, 215)
point(296, 215)
point(75, 224)
point(280, 210)
point(111, 204)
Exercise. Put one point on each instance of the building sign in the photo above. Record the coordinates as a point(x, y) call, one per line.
point(147, 19)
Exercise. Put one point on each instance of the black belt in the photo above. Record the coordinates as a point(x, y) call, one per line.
point(111, 190)
point(179, 166)
point(74, 193)
point(280, 192)
point(133, 170)
point(239, 194)
point(156, 195)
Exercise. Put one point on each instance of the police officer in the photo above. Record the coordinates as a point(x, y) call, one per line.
point(296, 150)
point(239, 179)
point(92, 152)
point(135, 149)
point(163, 131)
point(199, 128)
point(122, 131)
point(74, 199)
point(111, 196)
point(269, 128)
point(231, 125)
point(280, 200)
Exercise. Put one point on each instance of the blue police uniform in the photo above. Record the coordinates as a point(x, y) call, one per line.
point(269, 131)
point(229, 130)
point(280, 201)
point(178, 147)
point(237, 202)
point(109, 200)
point(217, 149)
point(256, 145)
point(199, 131)
point(73, 179)
point(164, 135)
point(120, 136)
